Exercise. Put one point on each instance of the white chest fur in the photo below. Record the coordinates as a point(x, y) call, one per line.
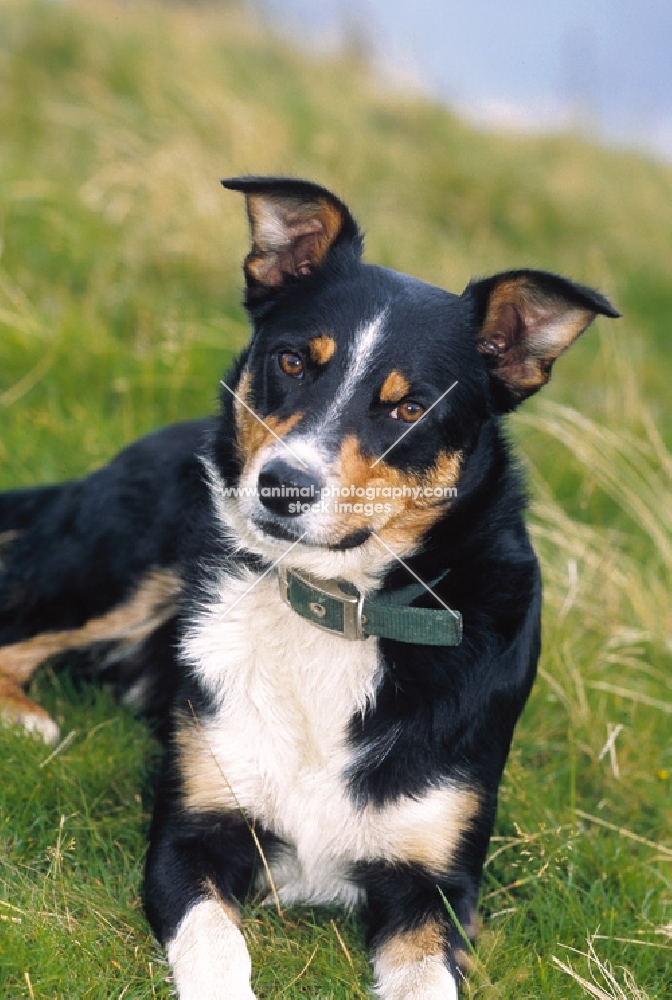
point(278, 750)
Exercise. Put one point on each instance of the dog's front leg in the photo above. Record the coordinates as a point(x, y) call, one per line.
point(208, 954)
point(196, 869)
point(417, 951)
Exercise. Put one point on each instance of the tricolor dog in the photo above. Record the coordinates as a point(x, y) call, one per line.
point(327, 594)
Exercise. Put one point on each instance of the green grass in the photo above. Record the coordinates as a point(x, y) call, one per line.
point(119, 289)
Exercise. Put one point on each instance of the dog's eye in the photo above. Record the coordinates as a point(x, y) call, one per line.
point(291, 364)
point(408, 411)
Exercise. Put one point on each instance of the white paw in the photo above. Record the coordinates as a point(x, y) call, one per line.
point(35, 722)
point(427, 979)
point(209, 957)
point(43, 725)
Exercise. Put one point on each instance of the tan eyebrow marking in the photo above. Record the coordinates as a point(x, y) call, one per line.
point(394, 388)
point(322, 349)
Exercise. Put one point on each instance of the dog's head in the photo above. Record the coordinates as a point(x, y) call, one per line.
point(364, 391)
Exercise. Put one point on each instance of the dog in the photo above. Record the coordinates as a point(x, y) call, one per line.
point(326, 594)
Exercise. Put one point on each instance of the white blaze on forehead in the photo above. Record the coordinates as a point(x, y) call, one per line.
point(360, 356)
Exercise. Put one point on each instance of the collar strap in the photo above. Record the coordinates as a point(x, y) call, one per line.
point(329, 605)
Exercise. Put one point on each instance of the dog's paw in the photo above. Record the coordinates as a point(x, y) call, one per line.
point(209, 957)
point(214, 991)
point(420, 983)
point(31, 718)
point(43, 725)
point(425, 977)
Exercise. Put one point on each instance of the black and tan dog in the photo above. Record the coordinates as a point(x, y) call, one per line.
point(327, 593)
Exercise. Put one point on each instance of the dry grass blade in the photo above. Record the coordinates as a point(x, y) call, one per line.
point(621, 464)
point(29, 380)
point(302, 973)
point(343, 945)
point(621, 692)
point(63, 745)
point(625, 833)
point(593, 569)
point(603, 984)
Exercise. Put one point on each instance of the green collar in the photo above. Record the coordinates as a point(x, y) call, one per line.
point(337, 607)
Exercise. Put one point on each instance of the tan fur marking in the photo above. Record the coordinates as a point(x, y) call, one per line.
point(153, 603)
point(428, 833)
point(410, 518)
point(251, 435)
point(394, 388)
point(409, 947)
point(15, 705)
point(504, 293)
point(433, 843)
point(322, 349)
point(204, 786)
point(551, 328)
point(230, 908)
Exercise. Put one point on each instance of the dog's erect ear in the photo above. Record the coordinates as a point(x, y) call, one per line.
point(293, 224)
point(526, 319)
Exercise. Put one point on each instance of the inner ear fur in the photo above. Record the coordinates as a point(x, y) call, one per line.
point(293, 226)
point(526, 319)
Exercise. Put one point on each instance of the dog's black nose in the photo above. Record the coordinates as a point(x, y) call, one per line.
point(287, 490)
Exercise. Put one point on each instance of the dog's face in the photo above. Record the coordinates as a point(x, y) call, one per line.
point(364, 391)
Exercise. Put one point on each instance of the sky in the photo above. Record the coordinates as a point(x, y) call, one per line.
point(603, 65)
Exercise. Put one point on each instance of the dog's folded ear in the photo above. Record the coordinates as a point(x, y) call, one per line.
point(525, 320)
point(294, 225)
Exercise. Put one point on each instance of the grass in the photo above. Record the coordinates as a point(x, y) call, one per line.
point(119, 289)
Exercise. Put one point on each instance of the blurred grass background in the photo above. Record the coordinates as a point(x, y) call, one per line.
point(120, 284)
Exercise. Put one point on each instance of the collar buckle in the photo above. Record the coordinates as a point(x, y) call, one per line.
point(325, 592)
